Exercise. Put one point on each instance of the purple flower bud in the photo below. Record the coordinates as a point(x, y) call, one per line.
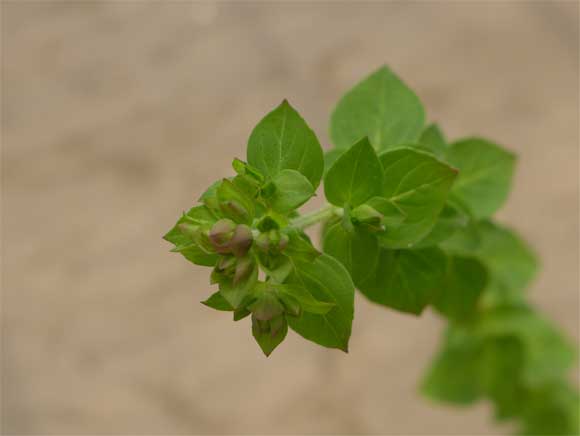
point(226, 263)
point(244, 267)
point(220, 235)
point(235, 210)
point(267, 307)
point(277, 324)
point(284, 239)
point(241, 240)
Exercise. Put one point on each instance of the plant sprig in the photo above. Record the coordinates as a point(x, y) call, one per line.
point(409, 224)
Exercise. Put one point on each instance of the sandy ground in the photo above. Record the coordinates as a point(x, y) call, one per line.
point(116, 115)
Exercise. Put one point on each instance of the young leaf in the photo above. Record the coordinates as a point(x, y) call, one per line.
point(485, 174)
point(282, 140)
point(465, 280)
point(433, 140)
point(358, 250)
point(406, 280)
point(218, 302)
point(327, 280)
point(381, 107)
point(454, 376)
point(417, 184)
point(291, 191)
point(356, 176)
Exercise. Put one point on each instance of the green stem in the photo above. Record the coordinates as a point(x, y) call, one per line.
point(311, 218)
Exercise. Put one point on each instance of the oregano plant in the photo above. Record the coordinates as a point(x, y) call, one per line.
point(409, 224)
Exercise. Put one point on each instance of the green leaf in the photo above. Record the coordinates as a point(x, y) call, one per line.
point(381, 107)
point(417, 184)
point(485, 174)
point(358, 251)
point(331, 156)
point(218, 302)
point(327, 280)
point(282, 140)
point(548, 354)
point(450, 220)
point(454, 375)
point(307, 302)
point(269, 334)
point(502, 362)
point(291, 191)
point(552, 409)
point(465, 280)
point(406, 280)
point(509, 258)
point(355, 177)
point(433, 140)
point(511, 262)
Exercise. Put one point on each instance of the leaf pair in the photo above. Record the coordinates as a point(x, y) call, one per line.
point(408, 188)
point(383, 109)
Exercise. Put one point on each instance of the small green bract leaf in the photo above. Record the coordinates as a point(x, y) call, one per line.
point(381, 107)
point(218, 302)
point(355, 177)
point(283, 140)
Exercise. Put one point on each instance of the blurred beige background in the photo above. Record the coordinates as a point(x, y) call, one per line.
point(116, 115)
